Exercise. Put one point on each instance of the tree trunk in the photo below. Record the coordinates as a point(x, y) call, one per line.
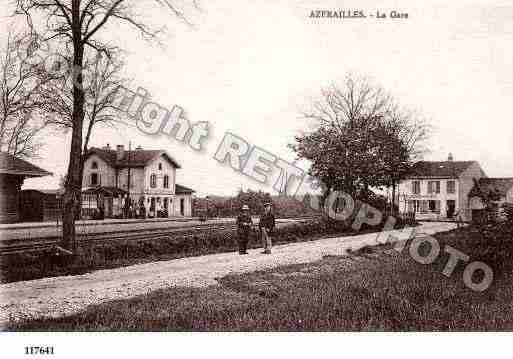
point(393, 198)
point(73, 186)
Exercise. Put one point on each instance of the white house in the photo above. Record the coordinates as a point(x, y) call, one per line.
point(152, 176)
point(439, 190)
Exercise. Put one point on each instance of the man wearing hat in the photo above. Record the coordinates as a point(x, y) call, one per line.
point(266, 226)
point(244, 223)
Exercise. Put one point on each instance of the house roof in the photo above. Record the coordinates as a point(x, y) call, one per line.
point(55, 192)
point(179, 189)
point(134, 158)
point(500, 185)
point(439, 169)
point(16, 166)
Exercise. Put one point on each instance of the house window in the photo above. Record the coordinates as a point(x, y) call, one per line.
point(166, 181)
point(153, 181)
point(94, 165)
point(160, 166)
point(451, 187)
point(416, 205)
point(433, 187)
point(415, 187)
point(95, 179)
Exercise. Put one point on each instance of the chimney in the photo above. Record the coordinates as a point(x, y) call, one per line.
point(450, 158)
point(120, 152)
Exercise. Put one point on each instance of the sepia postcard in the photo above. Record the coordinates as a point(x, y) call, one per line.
point(257, 171)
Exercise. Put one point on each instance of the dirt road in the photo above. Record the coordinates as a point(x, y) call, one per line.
point(52, 297)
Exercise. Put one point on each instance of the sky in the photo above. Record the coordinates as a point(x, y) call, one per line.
point(251, 67)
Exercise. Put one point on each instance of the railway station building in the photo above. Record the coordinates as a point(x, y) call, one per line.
point(146, 179)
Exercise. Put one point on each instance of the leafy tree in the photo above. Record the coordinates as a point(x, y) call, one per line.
point(254, 199)
point(361, 140)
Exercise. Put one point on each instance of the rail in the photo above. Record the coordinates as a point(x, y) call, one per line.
point(38, 244)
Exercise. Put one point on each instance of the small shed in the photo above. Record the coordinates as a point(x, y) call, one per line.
point(13, 171)
point(487, 197)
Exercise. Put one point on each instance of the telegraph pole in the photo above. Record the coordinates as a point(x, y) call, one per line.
point(128, 183)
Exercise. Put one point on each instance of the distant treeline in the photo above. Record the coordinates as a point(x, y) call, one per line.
point(283, 206)
point(218, 206)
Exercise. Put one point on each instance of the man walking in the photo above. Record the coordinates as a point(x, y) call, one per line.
point(244, 223)
point(266, 225)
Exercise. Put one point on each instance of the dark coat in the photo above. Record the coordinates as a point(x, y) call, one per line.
point(244, 223)
point(267, 221)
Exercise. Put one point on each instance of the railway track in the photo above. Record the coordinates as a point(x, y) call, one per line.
point(39, 244)
point(13, 246)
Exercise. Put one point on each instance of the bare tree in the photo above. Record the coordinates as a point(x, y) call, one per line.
point(20, 101)
point(106, 78)
point(76, 25)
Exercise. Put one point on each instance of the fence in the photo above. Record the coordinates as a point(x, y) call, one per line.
point(408, 217)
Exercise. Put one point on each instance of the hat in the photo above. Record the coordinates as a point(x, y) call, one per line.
point(245, 207)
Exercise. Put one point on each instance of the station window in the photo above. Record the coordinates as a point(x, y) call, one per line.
point(415, 187)
point(95, 179)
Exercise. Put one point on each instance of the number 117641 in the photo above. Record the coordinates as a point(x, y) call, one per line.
point(38, 350)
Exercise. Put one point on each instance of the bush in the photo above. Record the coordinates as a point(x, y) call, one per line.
point(508, 210)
